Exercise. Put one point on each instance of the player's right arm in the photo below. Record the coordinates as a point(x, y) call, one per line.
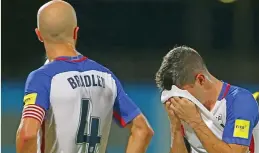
point(128, 114)
point(36, 102)
point(177, 139)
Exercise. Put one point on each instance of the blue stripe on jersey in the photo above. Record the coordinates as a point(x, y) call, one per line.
point(39, 81)
point(240, 105)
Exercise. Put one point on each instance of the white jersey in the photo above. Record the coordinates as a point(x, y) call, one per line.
point(237, 112)
point(75, 98)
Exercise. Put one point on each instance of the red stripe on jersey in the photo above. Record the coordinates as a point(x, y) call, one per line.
point(226, 91)
point(33, 111)
point(119, 118)
point(35, 116)
point(34, 108)
point(42, 147)
point(32, 116)
point(252, 145)
point(28, 113)
point(67, 59)
point(80, 60)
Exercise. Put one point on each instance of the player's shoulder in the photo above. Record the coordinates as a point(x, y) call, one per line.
point(236, 92)
point(48, 70)
point(240, 97)
point(38, 74)
point(91, 64)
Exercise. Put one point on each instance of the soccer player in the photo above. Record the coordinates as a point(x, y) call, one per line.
point(69, 102)
point(234, 107)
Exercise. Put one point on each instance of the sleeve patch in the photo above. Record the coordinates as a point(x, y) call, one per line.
point(241, 129)
point(30, 99)
point(33, 111)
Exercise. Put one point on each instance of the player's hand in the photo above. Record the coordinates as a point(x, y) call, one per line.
point(186, 110)
point(174, 119)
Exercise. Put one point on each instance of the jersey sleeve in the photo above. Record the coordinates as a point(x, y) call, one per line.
point(242, 117)
point(36, 96)
point(124, 109)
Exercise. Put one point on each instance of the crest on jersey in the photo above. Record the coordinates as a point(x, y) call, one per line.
point(219, 118)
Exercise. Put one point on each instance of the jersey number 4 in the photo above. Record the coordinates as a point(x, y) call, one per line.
point(88, 130)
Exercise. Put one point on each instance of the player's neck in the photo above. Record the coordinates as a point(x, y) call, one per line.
point(218, 87)
point(56, 50)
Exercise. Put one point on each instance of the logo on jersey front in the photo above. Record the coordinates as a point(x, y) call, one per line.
point(219, 118)
point(30, 99)
point(241, 129)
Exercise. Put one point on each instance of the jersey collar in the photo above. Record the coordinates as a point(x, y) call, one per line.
point(224, 91)
point(77, 58)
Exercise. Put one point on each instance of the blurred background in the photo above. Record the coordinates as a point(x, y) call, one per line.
point(130, 37)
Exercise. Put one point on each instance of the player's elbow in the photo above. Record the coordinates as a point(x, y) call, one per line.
point(146, 132)
point(25, 139)
point(141, 128)
point(28, 129)
point(25, 135)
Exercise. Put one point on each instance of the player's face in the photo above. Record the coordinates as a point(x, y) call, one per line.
point(201, 89)
point(197, 91)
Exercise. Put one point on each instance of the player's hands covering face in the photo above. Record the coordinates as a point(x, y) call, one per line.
point(174, 119)
point(185, 110)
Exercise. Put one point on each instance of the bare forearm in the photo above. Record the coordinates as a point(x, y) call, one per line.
point(26, 136)
point(138, 143)
point(214, 145)
point(26, 146)
point(178, 145)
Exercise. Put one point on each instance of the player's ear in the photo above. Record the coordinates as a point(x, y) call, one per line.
point(76, 33)
point(200, 79)
point(38, 34)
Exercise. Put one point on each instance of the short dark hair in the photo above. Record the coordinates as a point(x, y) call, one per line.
point(179, 67)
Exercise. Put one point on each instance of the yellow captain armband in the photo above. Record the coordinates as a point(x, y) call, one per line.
point(30, 99)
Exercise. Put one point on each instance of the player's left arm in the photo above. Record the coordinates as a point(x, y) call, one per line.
point(129, 115)
point(242, 116)
point(36, 102)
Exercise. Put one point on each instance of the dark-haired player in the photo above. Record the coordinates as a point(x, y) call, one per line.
point(234, 107)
